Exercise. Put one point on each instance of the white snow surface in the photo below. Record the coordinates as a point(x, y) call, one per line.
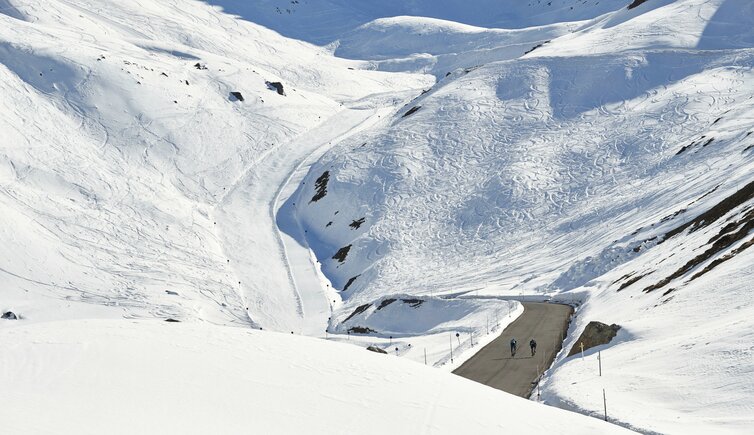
point(125, 377)
point(459, 153)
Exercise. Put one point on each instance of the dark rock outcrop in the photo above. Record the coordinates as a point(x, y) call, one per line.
point(9, 315)
point(356, 224)
point(411, 111)
point(360, 309)
point(361, 330)
point(276, 86)
point(385, 303)
point(320, 187)
point(376, 349)
point(595, 334)
point(350, 281)
point(413, 303)
point(341, 254)
point(236, 96)
point(636, 3)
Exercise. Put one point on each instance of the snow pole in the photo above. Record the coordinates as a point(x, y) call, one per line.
point(425, 355)
point(458, 336)
point(599, 358)
point(451, 348)
point(582, 351)
point(604, 403)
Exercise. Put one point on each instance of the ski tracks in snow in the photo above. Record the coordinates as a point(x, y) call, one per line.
point(284, 290)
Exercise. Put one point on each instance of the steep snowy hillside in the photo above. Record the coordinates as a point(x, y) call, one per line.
point(602, 154)
point(399, 171)
point(132, 138)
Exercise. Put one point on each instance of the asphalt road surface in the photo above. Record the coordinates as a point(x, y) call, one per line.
point(494, 365)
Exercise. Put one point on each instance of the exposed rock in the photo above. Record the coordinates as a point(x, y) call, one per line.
point(360, 309)
point(350, 281)
point(536, 47)
point(235, 95)
point(172, 320)
point(636, 3)
point(385, 303)
point(342, 253)
point(411, 111)
point(9, 315)
point(320, 186)
point(360, 330)
point(356, 224)
point(376, 349)
point(414, 303)
point(276, 86)
point(199, 66)
point(595, 334)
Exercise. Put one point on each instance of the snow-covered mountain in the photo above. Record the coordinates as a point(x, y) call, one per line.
point(307, 165)
point(620, 149)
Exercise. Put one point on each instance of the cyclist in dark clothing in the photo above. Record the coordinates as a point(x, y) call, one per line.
point(513, 347)
point(533, 346)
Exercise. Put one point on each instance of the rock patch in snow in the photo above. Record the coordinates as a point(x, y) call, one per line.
point(595, 334)
point(9, 315)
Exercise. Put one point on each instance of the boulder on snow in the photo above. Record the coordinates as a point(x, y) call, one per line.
point(595, 334)
point(171, 320)
point(236, 96)
point(199, 66)
point(9, 315)
point(361, 330)
point(276, 86)
point(376, 349)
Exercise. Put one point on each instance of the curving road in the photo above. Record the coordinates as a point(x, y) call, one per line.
point(494, 366)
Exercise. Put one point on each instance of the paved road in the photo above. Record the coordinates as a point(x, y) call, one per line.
point(494, 366)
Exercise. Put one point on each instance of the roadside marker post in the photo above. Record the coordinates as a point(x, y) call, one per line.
point(451, 347)
point(604, 402)
point(582, 351)
point(599, 358)
point(425, 356)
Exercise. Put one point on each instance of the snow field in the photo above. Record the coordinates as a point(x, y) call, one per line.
point(123, 377)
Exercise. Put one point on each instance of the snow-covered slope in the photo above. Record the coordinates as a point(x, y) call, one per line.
point(561, 171)
point(325, 21)
point(164, 159)
point(127, 165)
point(125, 377)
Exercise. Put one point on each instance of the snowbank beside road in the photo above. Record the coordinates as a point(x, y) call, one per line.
point(150, 377)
